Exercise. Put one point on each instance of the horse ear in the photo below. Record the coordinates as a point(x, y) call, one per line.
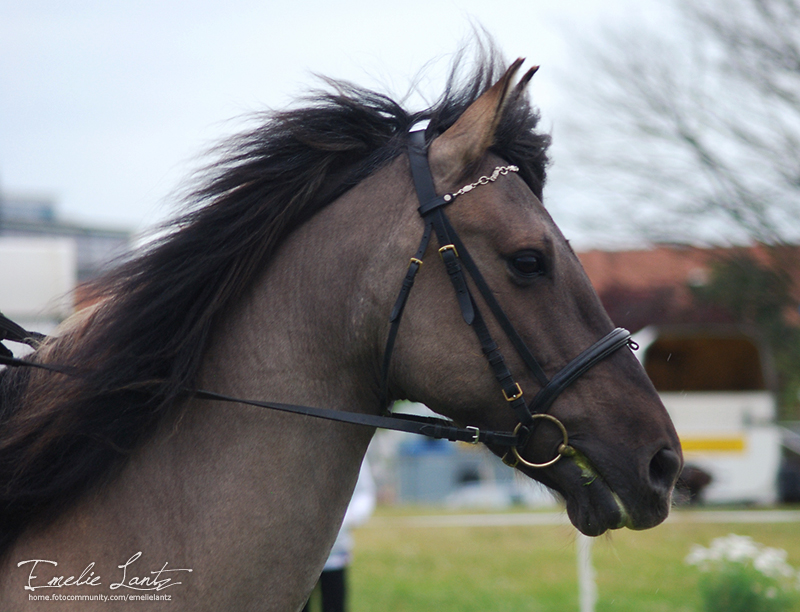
point(466, 141)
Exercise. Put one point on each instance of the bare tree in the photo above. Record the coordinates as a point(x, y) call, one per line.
point(691, 128)
point(692, 125)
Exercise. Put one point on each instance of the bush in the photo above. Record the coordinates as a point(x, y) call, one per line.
point(740, 575)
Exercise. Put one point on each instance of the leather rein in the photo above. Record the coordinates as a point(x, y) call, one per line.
point(456, 259)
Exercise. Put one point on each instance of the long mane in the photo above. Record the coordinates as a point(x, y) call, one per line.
point(142, 346)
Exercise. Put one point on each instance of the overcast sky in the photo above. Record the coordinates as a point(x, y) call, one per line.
point(107, 105)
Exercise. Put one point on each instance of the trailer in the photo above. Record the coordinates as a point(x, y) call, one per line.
point(717, 385)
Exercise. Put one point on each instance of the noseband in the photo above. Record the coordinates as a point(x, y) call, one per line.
point(456, 259)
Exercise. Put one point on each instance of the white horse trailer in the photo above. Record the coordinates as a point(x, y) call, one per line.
point(716, 384)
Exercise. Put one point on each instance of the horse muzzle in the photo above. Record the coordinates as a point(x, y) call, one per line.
point(602, 496)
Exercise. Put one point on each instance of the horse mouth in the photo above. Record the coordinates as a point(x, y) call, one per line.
point(604, 485)
point(593, 504)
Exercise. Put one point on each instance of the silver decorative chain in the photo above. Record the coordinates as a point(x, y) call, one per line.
point(484, 180)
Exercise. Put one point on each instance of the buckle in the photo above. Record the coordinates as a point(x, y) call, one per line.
point(448, 247)
point(475, 436)
point(517, 394)
point(414, 260)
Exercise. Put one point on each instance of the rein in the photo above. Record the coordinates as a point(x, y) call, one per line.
point(456, 259)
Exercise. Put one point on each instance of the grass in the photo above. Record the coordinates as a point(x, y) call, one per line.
point(398, 567)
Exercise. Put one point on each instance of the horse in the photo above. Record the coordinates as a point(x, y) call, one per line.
point(128, 469)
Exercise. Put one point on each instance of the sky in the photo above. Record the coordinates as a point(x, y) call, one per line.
point(107, 107)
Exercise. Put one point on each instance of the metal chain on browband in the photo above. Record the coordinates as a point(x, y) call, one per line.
point(484, 180)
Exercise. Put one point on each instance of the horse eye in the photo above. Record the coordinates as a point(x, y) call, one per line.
point(527, 264)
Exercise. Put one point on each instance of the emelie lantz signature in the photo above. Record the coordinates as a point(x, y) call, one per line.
point(157, 580)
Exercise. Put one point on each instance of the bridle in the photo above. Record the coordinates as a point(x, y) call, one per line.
point(456, 259)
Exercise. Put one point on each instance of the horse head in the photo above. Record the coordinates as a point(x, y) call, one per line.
point(607, 445)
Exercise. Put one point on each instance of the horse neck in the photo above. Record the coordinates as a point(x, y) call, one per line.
point(312, 329)
point(303, 336)
point(309, 332)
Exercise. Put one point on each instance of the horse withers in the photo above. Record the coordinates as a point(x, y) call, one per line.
point(118, 484)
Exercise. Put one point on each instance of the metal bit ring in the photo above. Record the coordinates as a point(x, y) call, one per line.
point(563, 449)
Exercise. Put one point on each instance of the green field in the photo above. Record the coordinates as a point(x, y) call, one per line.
point(400, 566)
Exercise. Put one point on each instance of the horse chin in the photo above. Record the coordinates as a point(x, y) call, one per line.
point(592, 506)
point(603, 494)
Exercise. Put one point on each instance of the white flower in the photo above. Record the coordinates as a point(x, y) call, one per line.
point(698, 555)
point(770, 562)
point(735, 548)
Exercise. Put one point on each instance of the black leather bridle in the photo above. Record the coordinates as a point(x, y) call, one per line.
point(456, 259)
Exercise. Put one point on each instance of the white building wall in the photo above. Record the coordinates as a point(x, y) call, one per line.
point(37, 278)
point(732, 436)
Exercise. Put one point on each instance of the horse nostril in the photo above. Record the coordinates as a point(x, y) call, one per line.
point(664, 468)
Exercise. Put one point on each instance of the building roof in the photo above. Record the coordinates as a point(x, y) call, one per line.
point(653, 286)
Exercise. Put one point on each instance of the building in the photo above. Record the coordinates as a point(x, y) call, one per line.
point(716, 376)
point(43, 259)
point(654, 286)
point(35, 216)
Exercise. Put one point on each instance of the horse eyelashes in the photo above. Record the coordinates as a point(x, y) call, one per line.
point(528, 264)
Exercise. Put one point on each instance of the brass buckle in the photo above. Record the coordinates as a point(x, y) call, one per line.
point(517, 394)
point(448, 247)
point(414, 260)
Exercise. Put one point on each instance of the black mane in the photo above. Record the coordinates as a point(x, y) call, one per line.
point(144, 343)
